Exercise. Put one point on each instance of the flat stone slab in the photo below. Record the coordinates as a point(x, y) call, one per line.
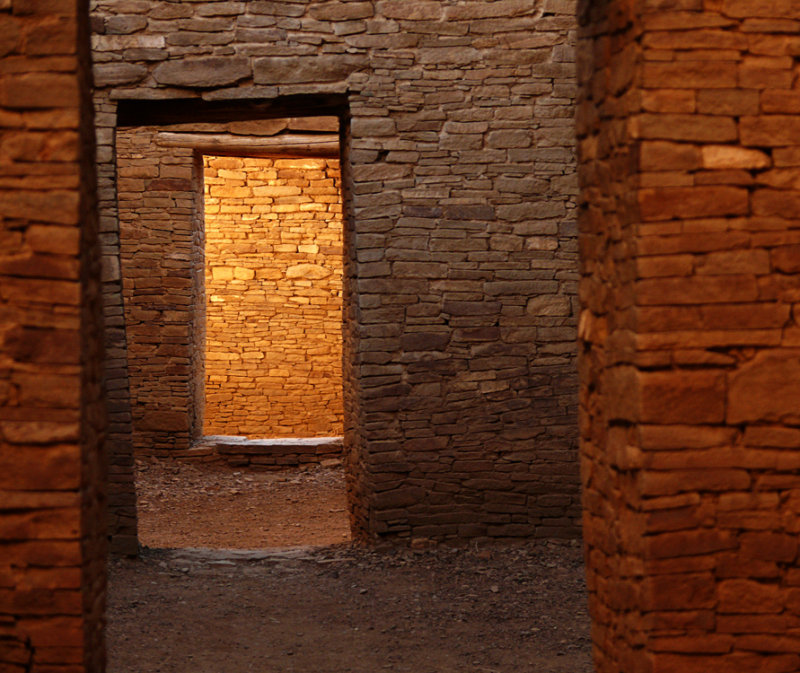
point(278, 453)
point(270, 447)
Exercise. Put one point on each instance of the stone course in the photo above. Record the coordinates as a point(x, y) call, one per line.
point(52, 418)
point(273, 270)
point(158, 189)
point(689, 334)
point(460, 240)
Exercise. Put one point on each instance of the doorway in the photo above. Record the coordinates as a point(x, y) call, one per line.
point(232, 273)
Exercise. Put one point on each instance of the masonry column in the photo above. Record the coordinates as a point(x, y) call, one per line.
point(52, 418)
point(689, 143)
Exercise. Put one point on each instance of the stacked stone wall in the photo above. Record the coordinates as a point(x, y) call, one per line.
point(157, 205)
point(273, 269)
point(689, 141)
point(460, 262)
point(52, 417)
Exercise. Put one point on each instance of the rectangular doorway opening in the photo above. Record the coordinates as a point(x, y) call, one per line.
point(260, 251)
point(273, 299)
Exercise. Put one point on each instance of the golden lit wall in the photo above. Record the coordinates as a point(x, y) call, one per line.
point(273, 297)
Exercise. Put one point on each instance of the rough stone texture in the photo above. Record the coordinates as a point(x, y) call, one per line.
point(689, 350)
point(156, 189)
point(273, 269)
point(691, 526)
point(460, 280)
point(52, 422)
point(160, 192)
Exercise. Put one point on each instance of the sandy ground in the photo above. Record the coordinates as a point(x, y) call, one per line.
point(188, 505)
point(334, 608)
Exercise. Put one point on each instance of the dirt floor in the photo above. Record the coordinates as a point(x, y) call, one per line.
point(326, 609)
point(199, 505)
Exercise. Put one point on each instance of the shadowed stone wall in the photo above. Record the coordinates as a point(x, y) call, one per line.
point(689, 142)
point(460, 251)
point(158, 191)
point(273, 354)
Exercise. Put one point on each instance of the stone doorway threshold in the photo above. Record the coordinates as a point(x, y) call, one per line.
point(267, 454)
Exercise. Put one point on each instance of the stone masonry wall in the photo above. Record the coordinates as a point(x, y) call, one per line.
point(156, 193)
point(52, 417)
point(273, 356)
point(460, 256)
point(689, 141)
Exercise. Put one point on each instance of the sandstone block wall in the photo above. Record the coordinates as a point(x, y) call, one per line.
point(460, 242)
point(158, 192)
point(689, 144)
point(273, 276)
point(52, 418)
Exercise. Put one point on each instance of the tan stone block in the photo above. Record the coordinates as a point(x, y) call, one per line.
point(243, 273)
point(742, 662)
point(663, 156)
point(688, 543)
point(683, 436)
point(337, 11)
point(664, 265)
point(760, 8)
point(734, 262)
point(211, 71)
point(682, 397)
point(769, 130)
point(765, 72)
point(668, 100)
point(38, 90)
point(689, 75)
point(780, 101)
point(766, 388)
point(308, 271)
point(780, 203)
point(749, 597)
point(415, 10)
point(669, 203)
point(702, 644)
point(730, 102)
point(696, 290)
point(222, 273)
point(164, 420)
point(46, 468)
point(786, 259)
point(727, 156)
point(691, 128)
point(769, 546)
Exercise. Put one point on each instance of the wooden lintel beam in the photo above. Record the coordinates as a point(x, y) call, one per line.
point(298, 144)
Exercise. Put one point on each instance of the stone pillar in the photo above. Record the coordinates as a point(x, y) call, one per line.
point(52, 420)
point(689, 144)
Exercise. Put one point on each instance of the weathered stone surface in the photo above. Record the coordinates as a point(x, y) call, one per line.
point(461, 159)
point(689, 354)
point(293, 70)
point(208, 72)
point(53, 425)
point(106, 74)
point(125, 24)
point(766, 389)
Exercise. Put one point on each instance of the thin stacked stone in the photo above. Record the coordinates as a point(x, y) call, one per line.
point(52, 417)
point(689, 334)
point(460, 267)
point(273, 257)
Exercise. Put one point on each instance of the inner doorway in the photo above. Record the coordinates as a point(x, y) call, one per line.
point(258, 473)
point(273, 297)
